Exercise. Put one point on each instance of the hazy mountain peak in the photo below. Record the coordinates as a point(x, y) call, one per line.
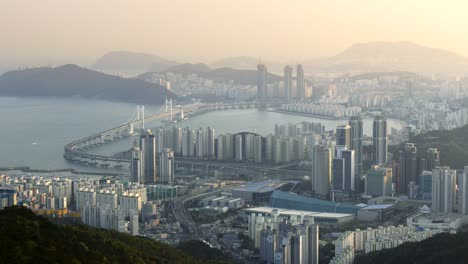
point(402, 50)
point(131, 63)
point(381, 56)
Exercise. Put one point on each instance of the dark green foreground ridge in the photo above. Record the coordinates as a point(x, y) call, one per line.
point(28, 238)
point(441, 248)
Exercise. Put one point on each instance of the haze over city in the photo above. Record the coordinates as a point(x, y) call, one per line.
point(58, 32)
point(234, 132)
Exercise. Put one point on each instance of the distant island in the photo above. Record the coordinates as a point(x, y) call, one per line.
point(71, 81)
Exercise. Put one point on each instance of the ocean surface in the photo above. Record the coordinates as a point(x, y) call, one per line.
point(33, 131)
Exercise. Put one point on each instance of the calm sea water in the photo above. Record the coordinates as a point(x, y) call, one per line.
point(34, 130)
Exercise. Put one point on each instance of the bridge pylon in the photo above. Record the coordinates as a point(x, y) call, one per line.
point(168, 104)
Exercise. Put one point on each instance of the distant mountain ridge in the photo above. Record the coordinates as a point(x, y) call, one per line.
point(69, 81)
point(240, 63)
point(189, 68)
point(244, 77)
point(131, 63)
point(391, 56)
point(359, 58)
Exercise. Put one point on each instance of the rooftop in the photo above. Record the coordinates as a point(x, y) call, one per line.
point(377, 206)
point(269, 210)
point(263, 186)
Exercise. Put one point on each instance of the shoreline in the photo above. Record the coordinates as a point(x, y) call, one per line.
point(308, 115)
point(27, 169)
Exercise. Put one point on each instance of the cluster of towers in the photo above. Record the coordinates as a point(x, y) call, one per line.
point(292, 88)
point(143, 166)
point(339, 167)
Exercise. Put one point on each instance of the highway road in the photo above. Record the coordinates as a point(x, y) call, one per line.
point(181, 214)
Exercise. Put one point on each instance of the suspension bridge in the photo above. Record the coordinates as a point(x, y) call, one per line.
point(76, 151)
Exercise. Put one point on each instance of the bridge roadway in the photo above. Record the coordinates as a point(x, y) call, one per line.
point(179, 211)
point(73, 150)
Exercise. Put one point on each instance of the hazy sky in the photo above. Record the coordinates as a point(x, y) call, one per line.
point(78, 31)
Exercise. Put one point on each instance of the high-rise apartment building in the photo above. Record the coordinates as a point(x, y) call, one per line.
point(135, 165)
point(431, 160)
point(148, 157)
point(343, 136)
point(288, 82)
point(408, 167)
point(463, 192)
point(444, 189)
point(321, 170)
point(380, 140)
point(343, 169)
point(356, 135)
point(300, 83)
point(167, 166)
point(262, 73)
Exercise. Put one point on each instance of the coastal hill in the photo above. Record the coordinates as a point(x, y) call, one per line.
point(131, 63)
point(452, 144)
point(441, 248)
point(71, 81)
point(28, 238)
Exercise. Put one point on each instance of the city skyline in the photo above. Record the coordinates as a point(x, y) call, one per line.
point(216, 131)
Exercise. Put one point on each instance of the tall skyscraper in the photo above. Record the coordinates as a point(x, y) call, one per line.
point(379, 181)
point(380, 140)
point(300, 83)
point(148, 156)
point(238, 148)
point(343, 136)
point(201, 143)
point(135, 165)
point(167, 166)
point(338, 172)
point(343, 169)
point(257, 153)
point(443, 189)
point(297, 253)
point(220, 147)
point(262, 73)
point(463, 192)
point(288, 82)
point(431, 160)
point(228, 145)
point(188, 142)
point(350, 164)
point(321, 170)
point(313, 244)
point(211, 142)
point(177, 140)
point(408, 167)
point(356, 135)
